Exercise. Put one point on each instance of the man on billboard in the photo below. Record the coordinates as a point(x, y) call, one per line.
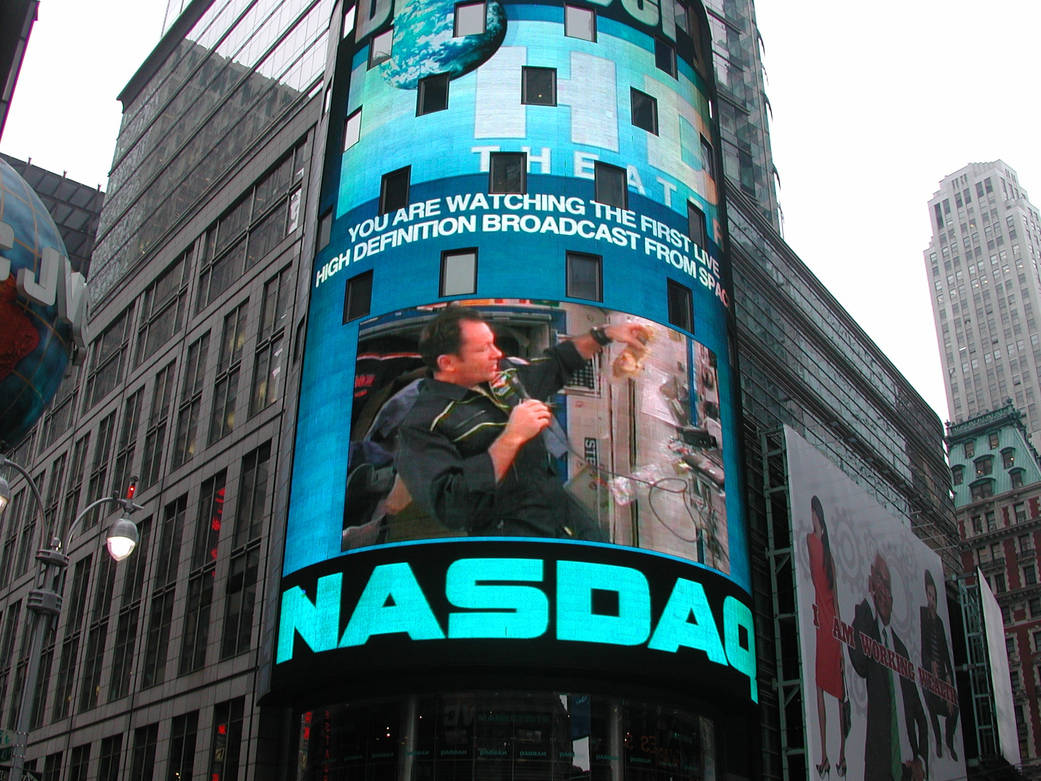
point(872, 658)
point(936, 659)
point(471, 449)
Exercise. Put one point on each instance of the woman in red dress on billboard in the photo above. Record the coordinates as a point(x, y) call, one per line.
point(829, 672)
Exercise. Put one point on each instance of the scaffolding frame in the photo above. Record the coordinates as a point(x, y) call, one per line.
point(795, 763)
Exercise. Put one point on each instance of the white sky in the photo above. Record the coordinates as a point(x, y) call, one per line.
point(872, 106)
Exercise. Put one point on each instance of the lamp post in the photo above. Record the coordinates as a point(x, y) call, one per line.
point(45, 599)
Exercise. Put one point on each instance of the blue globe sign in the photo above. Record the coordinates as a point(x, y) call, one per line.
point(41, 307)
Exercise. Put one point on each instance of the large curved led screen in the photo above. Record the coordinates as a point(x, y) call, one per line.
point(551, 169)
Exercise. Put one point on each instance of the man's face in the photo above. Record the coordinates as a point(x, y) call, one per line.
point(478, 357)
point(882, 591)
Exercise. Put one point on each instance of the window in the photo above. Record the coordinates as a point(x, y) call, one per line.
point(226, 743)
point(1026, 543)
point(142, 760)
point(79, 759)
point(1029, 575)
point(208, 521)
point(7, 649)
point(325, 229)
point(183, 732)
point(1016, 476)
point(681, 305)
point(162, 308)
point(1036, 636)
point(508, 172)
point(381, 48)
point(160, 610)
point(696, 226)
point(579, 23)
point(977, 525)
point(155, 436)
point(1034, 605)
point(108, 351)
point(352, 130)
point(989, 516)
point(459, 272)
point(108, 761)
point(358, 297)
point(77, 467)
point(539, 86)
point(432, 94)
point(708, 160)
point(251, 516)
point(251, 229)
point(191, 400)
point(584, 276)
point(271, 349)
point(90, 683)
point(226, 383)
point(129, 615)
point(394, 190)
point(126, 445)
point(982, 489)
point(970, 449)
point(992, 437)
point(1008, 457)
point(1020, 511)
point(71, 643)
point(984, 465)
point(999, 582)
point(958, 473)
point(665, 57)
point(644, 110)
point(469, 19)
point(51, 766)
point(610, 185)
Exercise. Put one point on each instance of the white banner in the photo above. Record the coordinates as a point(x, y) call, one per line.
point(874, 633)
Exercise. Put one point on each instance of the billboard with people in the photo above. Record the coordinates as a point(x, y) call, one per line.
point(878, 677)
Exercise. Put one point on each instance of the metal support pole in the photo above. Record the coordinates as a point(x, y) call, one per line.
point(44, 606)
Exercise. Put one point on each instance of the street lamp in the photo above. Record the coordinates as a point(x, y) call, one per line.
point(44, 601)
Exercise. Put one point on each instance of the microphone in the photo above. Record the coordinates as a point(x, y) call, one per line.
point(516, 385)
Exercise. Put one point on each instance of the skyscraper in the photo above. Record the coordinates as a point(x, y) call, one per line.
point(203, 277)
point(982, 264)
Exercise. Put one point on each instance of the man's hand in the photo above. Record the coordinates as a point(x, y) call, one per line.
point(527, 420)
point(634, 335)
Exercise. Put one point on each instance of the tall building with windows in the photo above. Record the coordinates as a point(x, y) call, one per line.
point(151, 670)
point(982, 264)
point(263, 146)
point(997, 493)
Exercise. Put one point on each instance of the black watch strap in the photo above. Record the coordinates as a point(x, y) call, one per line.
point(600, 335)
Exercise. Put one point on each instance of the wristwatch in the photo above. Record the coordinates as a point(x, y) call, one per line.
point(600, 335)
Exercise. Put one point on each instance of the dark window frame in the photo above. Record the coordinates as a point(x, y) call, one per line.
point(639, 104)
point(529, 75)
point(600, 172)
point(572, 285)
point(373, 62)
point(455, 19)
point(664, 51)
point(425, 94)
point(397, 177)
point(506, 158)
point(697, 225)
point(680, 299)
point(357, 288)
point(446, 255)
point(569, 30)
